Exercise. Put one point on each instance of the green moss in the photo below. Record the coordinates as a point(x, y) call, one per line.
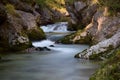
point(51, 3)
point(110, 69)
point(71, 38)
point(95, 57)
point(11, 10)
point(21, 46)
point(67, 39)
point(36, 34)
point(113, 5)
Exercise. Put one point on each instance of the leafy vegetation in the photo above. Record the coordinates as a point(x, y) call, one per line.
point(112, 5)
point(53, 4)
point(110, 68)
point(11, 10)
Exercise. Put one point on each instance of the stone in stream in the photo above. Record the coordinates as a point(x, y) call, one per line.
point(45, 48)
point(32, 49)
point(51, 46)
point(42, 49)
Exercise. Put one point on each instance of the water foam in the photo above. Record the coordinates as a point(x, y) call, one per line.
point(57, 27)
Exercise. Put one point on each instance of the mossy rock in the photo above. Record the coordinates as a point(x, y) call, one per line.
point(95, 57)
point(66, 39)
point(69, 39)
point(36, 34)
point(20, 47)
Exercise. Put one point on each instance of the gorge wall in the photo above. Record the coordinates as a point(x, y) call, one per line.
point(98, 22)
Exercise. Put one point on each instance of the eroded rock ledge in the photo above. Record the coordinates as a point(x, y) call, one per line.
point(101, 47)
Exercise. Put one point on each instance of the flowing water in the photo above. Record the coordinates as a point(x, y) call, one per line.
point(57, 64)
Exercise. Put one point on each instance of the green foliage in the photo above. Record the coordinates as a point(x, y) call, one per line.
point(41, 2)
point(70, 1)
point(11, 10)
point(113, 5)
point(110, 68)
point(51, 3)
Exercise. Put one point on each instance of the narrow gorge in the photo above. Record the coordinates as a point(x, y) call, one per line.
point(59, 40)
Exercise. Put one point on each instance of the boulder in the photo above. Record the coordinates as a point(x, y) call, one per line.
point(51, 46)
point(19, 28)
point(42, 49)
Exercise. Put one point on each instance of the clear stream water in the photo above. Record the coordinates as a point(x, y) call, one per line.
point(57, 64)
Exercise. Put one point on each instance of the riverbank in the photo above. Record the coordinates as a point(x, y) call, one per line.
point(58, 63)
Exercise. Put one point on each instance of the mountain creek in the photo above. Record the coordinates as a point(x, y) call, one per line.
point(57, 64)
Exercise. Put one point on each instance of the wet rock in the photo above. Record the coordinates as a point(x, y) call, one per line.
point(52, 46)
point(34, 49)
point(42, 49)
point(39, 49)
point(45, 48)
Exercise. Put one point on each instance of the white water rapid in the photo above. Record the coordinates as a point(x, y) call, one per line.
point(57, 27)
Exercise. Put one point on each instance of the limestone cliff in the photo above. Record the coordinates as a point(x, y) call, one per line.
point(51, 11)
point(101, 29)
point(100, 32)
point(81, 13)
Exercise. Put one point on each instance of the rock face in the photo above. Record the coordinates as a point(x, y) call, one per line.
point(18, 25)
point(101, 31)
point(48, 16)
point(52, 11)
point(101, 28)
point(104, 33)
point(81, 13)
point(101, 47)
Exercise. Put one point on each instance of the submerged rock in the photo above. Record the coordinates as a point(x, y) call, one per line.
point(34, 49)
point(52, 46)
